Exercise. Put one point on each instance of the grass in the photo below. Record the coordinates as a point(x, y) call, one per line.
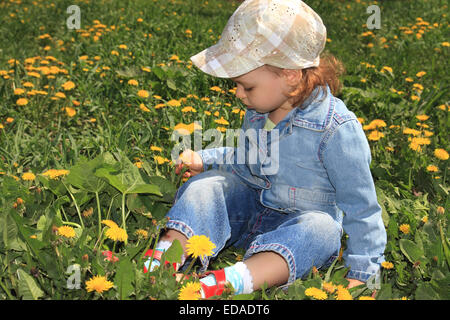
point(394, 74)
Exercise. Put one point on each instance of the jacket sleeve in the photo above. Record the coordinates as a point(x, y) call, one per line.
point(221, 155)
point(347, 160)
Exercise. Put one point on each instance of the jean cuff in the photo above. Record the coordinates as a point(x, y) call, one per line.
point(278, 248)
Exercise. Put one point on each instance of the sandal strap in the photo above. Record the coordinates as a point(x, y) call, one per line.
point(219, 287)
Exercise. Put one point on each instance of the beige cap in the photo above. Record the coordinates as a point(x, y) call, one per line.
point(283, 33)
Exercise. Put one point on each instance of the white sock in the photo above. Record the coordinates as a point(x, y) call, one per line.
point(162, 246)
point(237, 275)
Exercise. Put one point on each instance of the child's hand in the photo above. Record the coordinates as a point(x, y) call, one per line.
point(192, 160)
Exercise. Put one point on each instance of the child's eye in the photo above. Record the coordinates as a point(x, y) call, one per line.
point(249, 89)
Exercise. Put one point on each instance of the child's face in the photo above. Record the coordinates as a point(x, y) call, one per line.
point(262, 90)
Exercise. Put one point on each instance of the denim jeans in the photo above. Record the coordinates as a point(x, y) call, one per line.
point(220, 205)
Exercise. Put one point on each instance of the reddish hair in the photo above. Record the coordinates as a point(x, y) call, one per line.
point(328, 72)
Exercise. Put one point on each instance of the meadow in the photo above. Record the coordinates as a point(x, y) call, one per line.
point(87, 116)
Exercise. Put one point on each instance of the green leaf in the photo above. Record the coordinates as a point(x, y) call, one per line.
point(124, 278)
point(28, 289)
point(412, 251)
point(9, 233)
point(174, 253)
point(125, 177)
point(83, 176)
point(426, 292)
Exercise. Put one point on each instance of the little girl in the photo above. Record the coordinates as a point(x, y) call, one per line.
point(288, 208)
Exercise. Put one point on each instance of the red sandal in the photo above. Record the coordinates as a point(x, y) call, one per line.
point(157, 256)
point(218, 288)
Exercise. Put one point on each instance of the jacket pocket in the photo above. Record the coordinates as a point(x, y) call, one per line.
point(306, 199)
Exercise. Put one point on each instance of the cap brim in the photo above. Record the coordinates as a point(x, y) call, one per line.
point(223, 64)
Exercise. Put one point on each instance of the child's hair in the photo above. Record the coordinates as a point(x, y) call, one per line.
point(328, 72)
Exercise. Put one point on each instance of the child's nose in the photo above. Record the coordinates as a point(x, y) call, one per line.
point(240, 93)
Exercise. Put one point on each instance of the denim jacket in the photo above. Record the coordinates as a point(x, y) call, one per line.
point(318, 159)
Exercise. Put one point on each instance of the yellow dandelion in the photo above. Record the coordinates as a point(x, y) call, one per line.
point(387, 265)
point(329, 287)
point(19, 91)
point(28, 176)
point(222, 121)
point(441, 154)
point(445, 44)
point(316, 293)
point(98, 284)
point(173, 103)
point(188, 109)
point(155, 148)
point(70, 111)
point(66, 231)
point(110, 223)
point(22, 101)
point(123, 46)
point(144, 108)
point(199, 246)
point(116, 234)
point(432, 168)
point(161, 160)
point(420, 74)
point(141, 233)
point(414, 132)
point(422, 117)
point(342, 293)
point(366, 298)
point(408, 79)
point(215, 88)
point(375, 135)
point(143, 93)
point(69, 85)
point(88, 212)
point(190, 291)
point(404, 228)
point(54, 173)
point(425, 219)
point(389, 69)
point(133, 82)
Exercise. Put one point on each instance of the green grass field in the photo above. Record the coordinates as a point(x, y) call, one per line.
point(87, 115)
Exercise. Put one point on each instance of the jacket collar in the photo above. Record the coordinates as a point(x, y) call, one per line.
point(317, 114)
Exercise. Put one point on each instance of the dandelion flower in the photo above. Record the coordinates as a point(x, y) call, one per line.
point(329, 287)
point(441, 154)
point(28, 176)
point(190, 291)
point(22, 102)
point(98, 284)
point(316, 293)
point(69, 85)
point(199, 246)
point(366, 298)
point(110, 223)
point(405, 228)
point(133, 82)
point(422, 117)
point(432, 168)
point(70, 111)
point(155, 148)
point(375, 135)
point(342, 293)
point(143, 93)
point(54, 173)
point(387, 265)
point(141, 233)
point(116, 234)
point(174, 103)
point(420, 74)
point(66, 231)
